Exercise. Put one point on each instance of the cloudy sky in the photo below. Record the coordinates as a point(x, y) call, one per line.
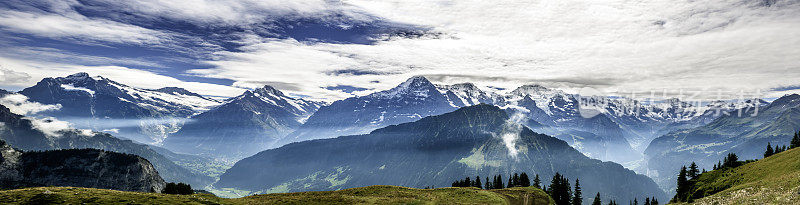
point(328, 49)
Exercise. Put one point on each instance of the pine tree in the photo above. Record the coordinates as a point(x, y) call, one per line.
point(635, 202)
point(555, 190)
point(795, 141)
point(560, 190)
point(577, 197)
point(646, 201)
point(654, 201)
point(499, 182)
point(597, 200)
point(730, 161)
point(537, 182)
point(693, 171)
point(515, 180)
point(682, 184)
point(478, 182)
point(488, 184)
point(769, 151)
point(524, 180)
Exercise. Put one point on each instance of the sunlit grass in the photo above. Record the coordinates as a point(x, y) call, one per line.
point(362, 195)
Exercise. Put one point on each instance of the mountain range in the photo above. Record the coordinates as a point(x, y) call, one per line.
point(478, 140)
point(266, 118)
point(191, 129)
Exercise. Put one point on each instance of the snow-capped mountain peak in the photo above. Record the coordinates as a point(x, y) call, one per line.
point(535, 90)
point(297, 106)
point(269, 90)
point(77, 77)
point(467, 94)
point(417, 86)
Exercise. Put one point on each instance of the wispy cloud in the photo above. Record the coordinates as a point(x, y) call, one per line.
point(19, 104)
point(12, 77)
point(75, 26)
point(238, 12)
point(50, 125)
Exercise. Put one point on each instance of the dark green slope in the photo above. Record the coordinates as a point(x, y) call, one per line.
point(430, 152)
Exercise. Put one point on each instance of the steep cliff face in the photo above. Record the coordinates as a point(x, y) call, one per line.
point(79, 168)
point(9, 163)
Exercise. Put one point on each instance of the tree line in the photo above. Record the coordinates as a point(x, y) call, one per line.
point(778, 149)
point(515, 180)
point(179, 188)
point(559, 189)
point(647, 201)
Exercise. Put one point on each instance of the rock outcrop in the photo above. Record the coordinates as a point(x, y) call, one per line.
point(90, 168)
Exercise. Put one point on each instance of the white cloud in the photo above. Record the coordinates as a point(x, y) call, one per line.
point(19, 104)
point(115, 130)
point(236, 12)
point(10, 77)
point(86, 132)
point(76, 26)
point(45, 54)
point(49, 125)
point(611, 45)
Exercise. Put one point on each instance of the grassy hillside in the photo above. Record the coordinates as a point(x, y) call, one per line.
point(773, 180)
point(363, 195)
